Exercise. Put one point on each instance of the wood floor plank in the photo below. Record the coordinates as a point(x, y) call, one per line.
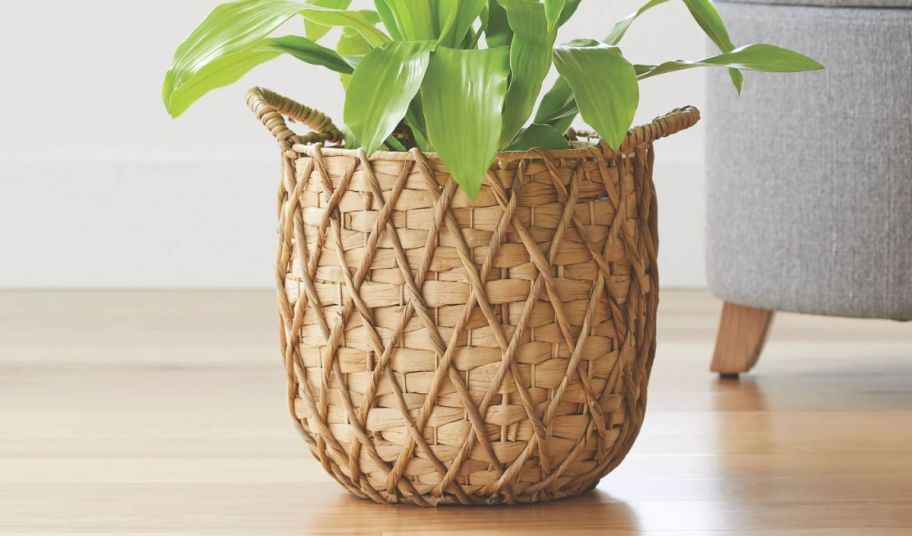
point(162, 413)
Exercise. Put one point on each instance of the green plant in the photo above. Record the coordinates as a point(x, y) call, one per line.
point(426, 81)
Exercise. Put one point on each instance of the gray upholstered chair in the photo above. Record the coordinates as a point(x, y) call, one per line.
point(810, 175)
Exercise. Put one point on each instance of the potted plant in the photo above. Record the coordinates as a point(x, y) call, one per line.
point(467, 287)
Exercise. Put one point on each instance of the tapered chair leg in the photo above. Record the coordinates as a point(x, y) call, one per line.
point(742, 332)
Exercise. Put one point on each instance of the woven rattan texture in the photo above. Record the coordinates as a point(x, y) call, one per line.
point(440, 350)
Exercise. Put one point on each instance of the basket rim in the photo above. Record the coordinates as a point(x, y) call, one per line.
point(660, 127)
point(274, 111)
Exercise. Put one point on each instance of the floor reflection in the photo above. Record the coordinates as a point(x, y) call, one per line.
point(743, 394)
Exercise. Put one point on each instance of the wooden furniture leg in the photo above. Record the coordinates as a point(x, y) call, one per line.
point(742, 332)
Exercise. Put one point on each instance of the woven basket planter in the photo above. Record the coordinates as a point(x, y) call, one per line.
point(444, 351)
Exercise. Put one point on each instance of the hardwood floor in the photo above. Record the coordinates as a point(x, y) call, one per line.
point(162, 413)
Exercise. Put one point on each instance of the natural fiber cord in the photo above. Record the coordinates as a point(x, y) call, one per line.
point(440, 350)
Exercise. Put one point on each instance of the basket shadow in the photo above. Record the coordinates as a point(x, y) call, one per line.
point(594, 512)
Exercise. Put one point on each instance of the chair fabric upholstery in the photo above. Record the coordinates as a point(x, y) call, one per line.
point(906, 4)
point(809, 176)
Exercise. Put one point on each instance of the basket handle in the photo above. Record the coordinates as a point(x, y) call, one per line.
point(665, 125)
point(272, 110)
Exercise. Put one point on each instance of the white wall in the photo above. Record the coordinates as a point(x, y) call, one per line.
point(100, 188)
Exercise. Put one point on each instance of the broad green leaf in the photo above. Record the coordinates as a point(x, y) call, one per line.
point(621, 26)
point(755, 57)
point(563, 124)
point(605, 87)
point(497, 29)
point(456, 18)
point(372, 16)
point(472, 38)
point(395, 145)
point(530, 61)
point(553, 10)
point(463, 95)
point(737, 78)
point(381, 89)
point(348, 137)
point(352, 46)
point(229, 68)
point(558, 107)
point(315, 31)
point(386, 16)
point(557, 103)
point(707, 16)
point(310, 52)
point(415, 19)
point(360, 21)
point(570, 7)
point(229, 29)
point(541, 137)
point(414, 118)
point(221, 71)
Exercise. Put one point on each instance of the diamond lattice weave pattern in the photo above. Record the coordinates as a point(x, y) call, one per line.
point(440, 350)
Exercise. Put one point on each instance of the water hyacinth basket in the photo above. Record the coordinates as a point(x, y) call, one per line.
point(446, 351)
